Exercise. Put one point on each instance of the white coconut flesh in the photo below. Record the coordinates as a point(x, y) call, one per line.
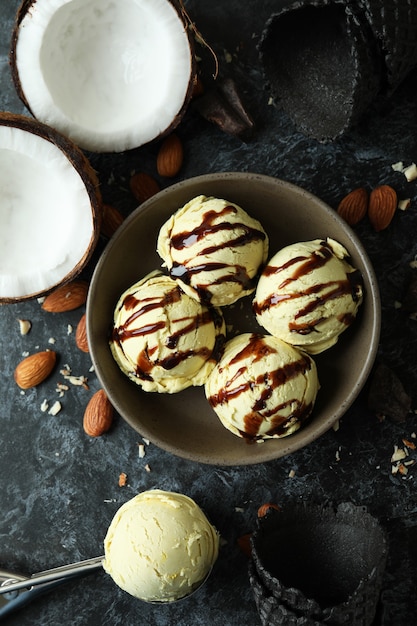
point(46, 220)
point(110, 74)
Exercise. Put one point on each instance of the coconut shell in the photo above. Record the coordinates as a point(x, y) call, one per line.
point(27, 5)
point(87, 174)
point(21, 12)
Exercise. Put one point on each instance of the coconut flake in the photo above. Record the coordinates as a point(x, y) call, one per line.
point(404, 204)
point(398, 166)
point(25, 326)
point(398, 455)
point(55, 408)
point(410, 172)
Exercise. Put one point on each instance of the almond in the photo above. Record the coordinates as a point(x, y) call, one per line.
point(244, 544)
point(143, 186)
point(170, 156)
point(122, 479)
point(382, 206)
point(34, 369)
point(264, 508)
point(81, 334)
point(66, 298)
point(98, 415)
point(112, 219)
point(352, 208)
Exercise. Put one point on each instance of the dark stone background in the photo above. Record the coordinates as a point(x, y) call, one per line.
point(59, 488)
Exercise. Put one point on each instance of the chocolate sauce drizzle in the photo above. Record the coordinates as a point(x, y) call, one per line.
point(146, 360)
point(352, 285)
point(267, 382)
point(238, 274)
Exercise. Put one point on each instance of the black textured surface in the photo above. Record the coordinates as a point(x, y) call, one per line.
point(319, 563)
point(326, 59)
point(59, 488)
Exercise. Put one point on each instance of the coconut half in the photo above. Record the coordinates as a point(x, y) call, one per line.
point(50, 208)
point(110, 74)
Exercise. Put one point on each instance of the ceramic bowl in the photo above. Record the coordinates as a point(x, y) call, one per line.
point(184, 423)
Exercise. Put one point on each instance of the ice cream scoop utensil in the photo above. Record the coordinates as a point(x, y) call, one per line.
point(80, 568)
point(17, 590)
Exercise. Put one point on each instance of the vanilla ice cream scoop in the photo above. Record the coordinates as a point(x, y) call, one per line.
point(162, 339)
point(262, 387)
point(308, 294)
point(214, 249)
point(160, 546)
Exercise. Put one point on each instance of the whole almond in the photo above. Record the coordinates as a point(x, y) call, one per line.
point(34, 369)
point(170, 156)
point(264, 508)
point(112, 219)
point(352, 208)
point(383, 203)
point(81, 339)
point(66, 298)
point(98, 415)
point(143, 186)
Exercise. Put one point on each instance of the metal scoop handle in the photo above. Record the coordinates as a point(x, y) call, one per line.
point(17, 590)
point(57, 573)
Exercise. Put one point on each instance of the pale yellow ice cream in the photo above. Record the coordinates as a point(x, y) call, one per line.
point(308, 294)
point(160, 546)
point(262, 387)
point(214, 249)
point(162, 339)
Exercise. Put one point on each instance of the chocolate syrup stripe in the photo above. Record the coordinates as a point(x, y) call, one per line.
point(336, 289)
point(234, 273)
point(207, 227)
point(267, 382)
point(317, 259)
point(146, 365)
point(146, 362)
point(279, 423)
point(141, 307)
point(352, 286)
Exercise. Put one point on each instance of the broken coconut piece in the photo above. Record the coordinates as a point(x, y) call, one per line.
point(222, 105)
point(50, 208)
point(110, 75)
